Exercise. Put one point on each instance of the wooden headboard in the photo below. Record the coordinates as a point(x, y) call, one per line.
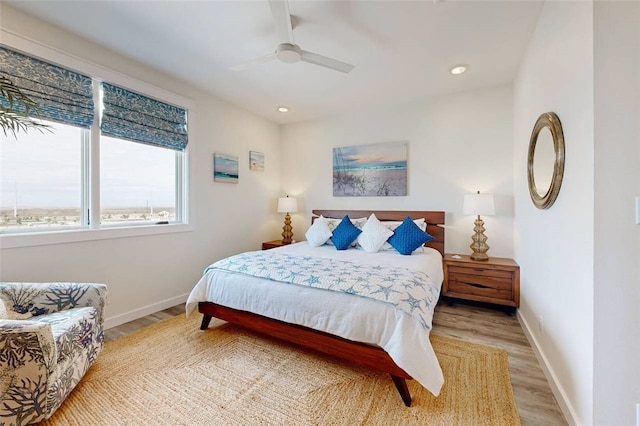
point(433, 219)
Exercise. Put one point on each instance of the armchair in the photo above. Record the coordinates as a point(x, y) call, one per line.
point(50, 333)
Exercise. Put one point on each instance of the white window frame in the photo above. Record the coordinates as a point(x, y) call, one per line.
point(91, 156)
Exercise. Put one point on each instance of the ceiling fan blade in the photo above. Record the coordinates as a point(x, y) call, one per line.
point(282, 20)
point(253, 62)
point(323, 61)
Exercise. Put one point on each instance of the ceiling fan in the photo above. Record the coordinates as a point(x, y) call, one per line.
point(288, 51)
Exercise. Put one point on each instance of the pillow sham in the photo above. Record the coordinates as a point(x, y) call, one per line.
point(374, 235)
point(408, 237)
point(345, 234)
point(318, 233)
point(333, 223)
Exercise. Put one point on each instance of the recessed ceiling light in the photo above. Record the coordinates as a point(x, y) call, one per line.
point(459, 69)
point(283, 109)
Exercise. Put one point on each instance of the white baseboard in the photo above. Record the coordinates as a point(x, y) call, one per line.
point(144, 311)
point(567, 409)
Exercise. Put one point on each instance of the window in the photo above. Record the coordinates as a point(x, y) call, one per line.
point(137, 182)
point(141, 149)
point(127, 171)
point(41, 177)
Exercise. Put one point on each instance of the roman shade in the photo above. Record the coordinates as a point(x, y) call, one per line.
point(129, 115)
point(62, 95)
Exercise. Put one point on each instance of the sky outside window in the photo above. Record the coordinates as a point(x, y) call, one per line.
point(41, 170)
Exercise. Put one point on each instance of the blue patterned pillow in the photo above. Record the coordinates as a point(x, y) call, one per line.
point(408, 237)
point(344, 234)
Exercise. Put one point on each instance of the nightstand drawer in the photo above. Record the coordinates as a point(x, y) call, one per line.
point(479, 287)
point(501, 281)
point(486, 272)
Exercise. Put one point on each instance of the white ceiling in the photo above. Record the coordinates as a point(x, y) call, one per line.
point(402, 50)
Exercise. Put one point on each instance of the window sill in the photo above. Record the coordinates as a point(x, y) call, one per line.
point(8, 241)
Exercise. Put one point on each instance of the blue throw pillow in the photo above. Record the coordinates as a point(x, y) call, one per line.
point(344, 234)
point(408, 236)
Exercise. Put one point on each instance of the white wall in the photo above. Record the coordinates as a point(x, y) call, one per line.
point(617, 237)
point(145, 274)
point(555, 247)
point(456, 144)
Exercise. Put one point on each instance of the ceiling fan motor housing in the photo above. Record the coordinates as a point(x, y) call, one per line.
point(289, 53)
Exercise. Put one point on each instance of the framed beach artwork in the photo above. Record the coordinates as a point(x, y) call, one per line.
point(225, 168)
point(256, 160)
point(374, 170)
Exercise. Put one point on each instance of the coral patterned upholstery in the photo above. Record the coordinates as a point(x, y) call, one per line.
point(50, 334)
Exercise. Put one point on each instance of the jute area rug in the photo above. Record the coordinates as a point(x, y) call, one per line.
point(172, 373)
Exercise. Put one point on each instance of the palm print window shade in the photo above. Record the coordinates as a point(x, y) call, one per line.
point(131, 116)
point(62, 95)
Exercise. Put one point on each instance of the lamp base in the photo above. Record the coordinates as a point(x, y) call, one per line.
point(287, 230)
point(479, 256)
point(479, 245)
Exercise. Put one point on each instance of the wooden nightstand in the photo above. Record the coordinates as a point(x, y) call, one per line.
point(273, 244)
point(495, 281)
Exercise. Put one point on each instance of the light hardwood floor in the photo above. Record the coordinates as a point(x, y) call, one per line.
point(534, 399)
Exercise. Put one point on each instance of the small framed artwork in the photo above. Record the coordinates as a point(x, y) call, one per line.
point(225, 168)
point(256, 160)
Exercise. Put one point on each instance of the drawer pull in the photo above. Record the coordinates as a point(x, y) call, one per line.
point(478, 285)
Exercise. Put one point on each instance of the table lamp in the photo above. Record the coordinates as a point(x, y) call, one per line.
point(287, 205)
point(479, 204)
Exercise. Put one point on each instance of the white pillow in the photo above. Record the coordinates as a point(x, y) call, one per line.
point(374, 235)
point(333, 223)
point(394, 224)
point(318, 233)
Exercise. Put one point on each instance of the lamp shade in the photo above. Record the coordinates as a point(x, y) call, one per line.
point(287, 205)
point(480, 204)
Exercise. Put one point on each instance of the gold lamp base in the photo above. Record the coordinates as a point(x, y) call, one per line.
point(287, 233)
point(479, 245)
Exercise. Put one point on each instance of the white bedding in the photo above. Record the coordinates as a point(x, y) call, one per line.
point(351, 317)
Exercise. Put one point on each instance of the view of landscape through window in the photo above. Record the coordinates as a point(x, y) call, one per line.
point(41, 180)
point(137, 181)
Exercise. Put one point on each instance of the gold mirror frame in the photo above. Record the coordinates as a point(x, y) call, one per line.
point(551, 121)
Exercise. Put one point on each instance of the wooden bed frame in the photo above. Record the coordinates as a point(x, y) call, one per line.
point(363, 354)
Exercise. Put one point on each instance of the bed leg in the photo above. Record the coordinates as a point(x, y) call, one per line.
point(403, 389)
point(206, 319)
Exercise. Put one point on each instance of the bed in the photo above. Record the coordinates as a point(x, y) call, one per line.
point(391, 339)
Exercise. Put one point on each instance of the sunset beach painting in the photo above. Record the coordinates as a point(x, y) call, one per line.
point(374, 170)
point(225, 168)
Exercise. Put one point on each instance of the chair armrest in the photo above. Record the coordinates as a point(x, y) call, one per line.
point(28, 357)
point(24, 342)
point(46, 298)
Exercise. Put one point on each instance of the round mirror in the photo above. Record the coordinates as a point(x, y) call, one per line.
point(544, 158)
point(545, 163)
